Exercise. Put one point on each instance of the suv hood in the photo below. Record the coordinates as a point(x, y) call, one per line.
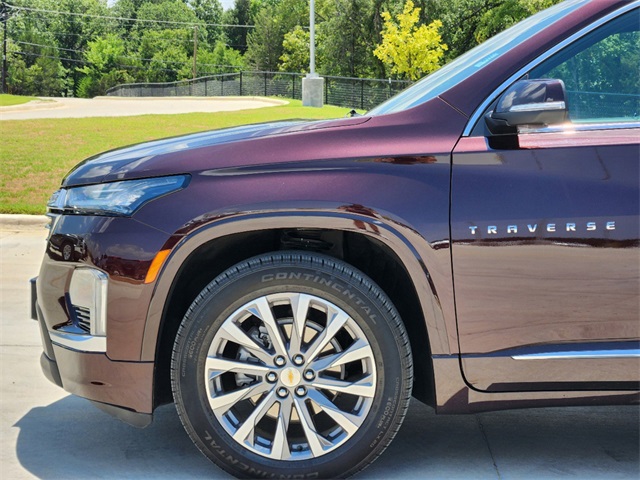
point(113, 164)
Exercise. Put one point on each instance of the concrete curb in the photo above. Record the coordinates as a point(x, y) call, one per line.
point(8, 221)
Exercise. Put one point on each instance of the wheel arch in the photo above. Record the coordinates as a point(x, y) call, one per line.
point(374, 247)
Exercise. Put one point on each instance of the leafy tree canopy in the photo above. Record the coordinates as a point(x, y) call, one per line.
point(409, 50)
point(82, 51)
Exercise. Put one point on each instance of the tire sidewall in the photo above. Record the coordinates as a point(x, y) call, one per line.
point(360, 300)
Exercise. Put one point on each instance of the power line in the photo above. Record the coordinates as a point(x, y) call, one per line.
point(92, 36)
point(89, 38)
point(49, 56)
point(95, 36)
point(57, 34)
point(73, 60)
point(106, 17)
point(47, 46)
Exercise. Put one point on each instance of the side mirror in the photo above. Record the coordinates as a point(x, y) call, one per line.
point(529, 102)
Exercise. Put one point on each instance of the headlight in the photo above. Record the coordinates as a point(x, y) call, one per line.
point(115, 198)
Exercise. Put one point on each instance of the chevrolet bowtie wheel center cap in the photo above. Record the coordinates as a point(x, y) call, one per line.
point(290, 377)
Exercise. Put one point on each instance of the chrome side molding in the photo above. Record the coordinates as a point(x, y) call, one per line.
point(580, 354)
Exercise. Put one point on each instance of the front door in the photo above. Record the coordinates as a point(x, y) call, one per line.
point(546, 255)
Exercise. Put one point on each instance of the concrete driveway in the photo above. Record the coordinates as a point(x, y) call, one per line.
point(123, 107)
point(46, 433)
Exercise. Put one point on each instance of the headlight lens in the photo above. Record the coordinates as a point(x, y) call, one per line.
point(115, 198)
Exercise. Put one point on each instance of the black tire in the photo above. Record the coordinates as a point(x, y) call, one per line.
point(293, 275)
point(67, 252)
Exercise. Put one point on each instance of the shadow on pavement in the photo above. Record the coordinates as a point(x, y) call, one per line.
point(543, 443)
point(71, 439)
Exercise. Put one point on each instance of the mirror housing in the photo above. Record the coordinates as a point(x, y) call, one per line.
point(528, 102)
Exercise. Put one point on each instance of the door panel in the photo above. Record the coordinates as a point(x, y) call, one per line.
point(546, 258)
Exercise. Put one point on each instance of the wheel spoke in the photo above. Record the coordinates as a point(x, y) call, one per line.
point(316, 338)
point(350, 423)
point(335, 321)
point(358, 351)
point(362, 388)
point(314, 439)
point(261, 309)
point(232, 332)
point(280, 446)
point(247, 429)
point(221, 365)
point(300, 308)
point(221, 403)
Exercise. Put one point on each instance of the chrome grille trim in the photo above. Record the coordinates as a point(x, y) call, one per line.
point(83, 317)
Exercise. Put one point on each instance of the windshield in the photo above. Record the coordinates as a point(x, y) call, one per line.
point(467, 64)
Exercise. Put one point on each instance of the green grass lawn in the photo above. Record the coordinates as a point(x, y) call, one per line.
point(36, 154)
point(7, 100)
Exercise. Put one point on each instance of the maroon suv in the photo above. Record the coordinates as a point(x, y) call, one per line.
point(473, 242)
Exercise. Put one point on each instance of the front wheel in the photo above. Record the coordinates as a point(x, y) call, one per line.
point(292, 364)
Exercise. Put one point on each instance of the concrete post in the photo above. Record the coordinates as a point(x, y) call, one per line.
point(312, 84)
point(312, 91)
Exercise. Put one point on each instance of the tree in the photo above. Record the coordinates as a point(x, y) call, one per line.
point(105, 57)
point(348, 40)
point(271, 24)
point(296, 51)
point(55, 38)
point(49, 50)
point(265, 41)
point(44, 76)
point(240, 14)
point(466, 23)
point(221, 59)
point(507, 14)
point(166, 55)
point(408, 50)
point(165, 11)
point(209, 11)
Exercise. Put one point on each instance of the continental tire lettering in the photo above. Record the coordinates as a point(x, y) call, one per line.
point(349, 294)
point(332, 284)
point(253, 472)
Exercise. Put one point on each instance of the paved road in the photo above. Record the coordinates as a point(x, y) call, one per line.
point(46, 433)
point(123, 107)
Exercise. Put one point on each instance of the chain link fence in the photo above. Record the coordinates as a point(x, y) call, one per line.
point(603, 106)
point(362, 93)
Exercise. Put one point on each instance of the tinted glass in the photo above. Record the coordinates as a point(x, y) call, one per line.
point(601, 72)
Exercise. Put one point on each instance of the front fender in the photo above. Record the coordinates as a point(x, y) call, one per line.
point(416, 254)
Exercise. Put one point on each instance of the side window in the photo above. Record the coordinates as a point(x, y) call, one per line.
point(601, 72)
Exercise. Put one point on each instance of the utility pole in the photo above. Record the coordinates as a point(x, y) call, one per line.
point(4, 17)
point(312, 84)
point(312, 38)
point(195, 51)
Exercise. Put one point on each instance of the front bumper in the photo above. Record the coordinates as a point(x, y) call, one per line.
point(92, 309)
point(122, 389)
